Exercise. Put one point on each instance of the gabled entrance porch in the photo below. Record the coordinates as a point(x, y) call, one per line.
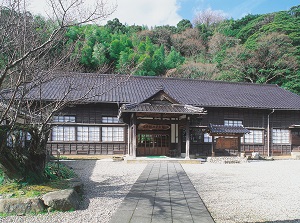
point(154, 125)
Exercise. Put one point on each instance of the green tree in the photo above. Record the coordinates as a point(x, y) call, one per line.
point(270, 62)
point(232, 27)
point(295, 11)
point(119, 44)
point(99, 55)
point(173, 59)
point(184, 24)
point(144, 66)
point(161, 35)
point(127, 61)
point(158, 61)
point(115, 26)
point(252, 27)
point(217, 46)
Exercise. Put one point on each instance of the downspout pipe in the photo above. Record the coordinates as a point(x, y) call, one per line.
point(268, 139)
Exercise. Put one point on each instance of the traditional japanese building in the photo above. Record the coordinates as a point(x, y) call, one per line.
point(143, 116)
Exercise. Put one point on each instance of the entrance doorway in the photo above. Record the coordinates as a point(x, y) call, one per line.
point(153, 144)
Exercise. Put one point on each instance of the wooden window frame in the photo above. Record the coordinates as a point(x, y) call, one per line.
point(233, 122)
point(107, 137)
point(253, 137)
point(280, 140)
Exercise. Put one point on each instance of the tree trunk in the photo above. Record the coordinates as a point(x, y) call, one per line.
point(30, 169)
point(25, 161)
point(10, 167)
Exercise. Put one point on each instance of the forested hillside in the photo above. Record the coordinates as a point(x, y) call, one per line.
point(257, 48)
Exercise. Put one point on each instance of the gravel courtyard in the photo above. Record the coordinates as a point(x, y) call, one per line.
point(263, 191)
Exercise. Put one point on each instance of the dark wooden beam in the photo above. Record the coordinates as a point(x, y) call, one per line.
point(160, 122)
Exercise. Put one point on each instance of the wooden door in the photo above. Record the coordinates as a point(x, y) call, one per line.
point(153, 144)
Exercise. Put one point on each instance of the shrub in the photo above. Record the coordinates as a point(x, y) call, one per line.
point(55, 170)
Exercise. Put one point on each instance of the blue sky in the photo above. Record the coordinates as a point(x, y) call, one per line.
point(170, 12)
point(234, 8)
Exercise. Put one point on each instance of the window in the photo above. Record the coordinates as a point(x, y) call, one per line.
point(145, 140)
point(112, 134)
point(233, 122)
point(63, 133)
point(88, 133)
point(195, 135)
point(110, 120)
point(254, 137)
point(64, 119)
point(153, 140)
point(281, 136)
point(207, 137)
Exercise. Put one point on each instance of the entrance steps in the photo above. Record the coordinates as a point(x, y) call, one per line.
point(162, 160)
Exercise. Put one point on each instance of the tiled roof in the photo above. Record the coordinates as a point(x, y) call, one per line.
point(152, 108)
point(223, 129)
point(135, 89)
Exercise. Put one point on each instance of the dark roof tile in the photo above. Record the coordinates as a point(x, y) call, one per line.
point(134, 89)
point(223, 129)
point(153, 108)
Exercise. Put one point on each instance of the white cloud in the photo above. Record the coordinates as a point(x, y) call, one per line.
point(139, 12)
point(147, 12)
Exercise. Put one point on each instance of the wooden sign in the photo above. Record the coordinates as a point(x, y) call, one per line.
point(227, 143)
point(145, 126)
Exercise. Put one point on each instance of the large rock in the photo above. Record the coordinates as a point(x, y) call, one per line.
point(255, 156)
point(76, 184)
point(21, 206)
point(63, 200)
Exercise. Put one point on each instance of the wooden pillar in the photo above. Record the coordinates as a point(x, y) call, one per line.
point(213, 146)
point(130, 136)
point(134, 136)
point(179, 141)
point(128, 140)
point(187, 141)
point(239, 144)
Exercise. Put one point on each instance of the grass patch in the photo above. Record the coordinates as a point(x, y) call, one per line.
point(57, 181)
point(2, 214)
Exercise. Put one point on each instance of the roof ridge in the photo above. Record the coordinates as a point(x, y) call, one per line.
point(67, 74)
point(201, 80)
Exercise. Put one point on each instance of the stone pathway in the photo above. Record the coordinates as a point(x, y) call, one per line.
point(163, 193)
